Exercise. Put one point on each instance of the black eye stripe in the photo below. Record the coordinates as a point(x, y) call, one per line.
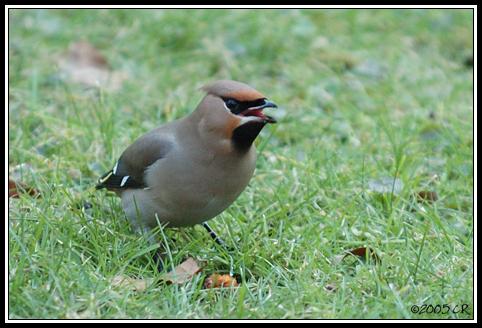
point(231, 104)
point(236, 107)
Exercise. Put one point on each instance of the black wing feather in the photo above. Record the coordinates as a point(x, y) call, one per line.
point(111, 180)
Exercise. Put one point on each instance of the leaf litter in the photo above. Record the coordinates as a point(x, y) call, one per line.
point(84, 64)
point(181, 274)
point(363, 253)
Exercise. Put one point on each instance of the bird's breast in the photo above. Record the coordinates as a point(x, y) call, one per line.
point(192, 189)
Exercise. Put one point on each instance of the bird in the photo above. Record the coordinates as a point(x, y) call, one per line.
point(188, 171)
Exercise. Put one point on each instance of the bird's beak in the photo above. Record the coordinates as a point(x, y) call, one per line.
point(258, 112)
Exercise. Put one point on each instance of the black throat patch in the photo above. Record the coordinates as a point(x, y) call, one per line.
point(244, 135)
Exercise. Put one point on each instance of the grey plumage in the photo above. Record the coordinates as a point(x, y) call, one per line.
point(188, 171)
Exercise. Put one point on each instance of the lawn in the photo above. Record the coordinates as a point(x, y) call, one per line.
point(374, 148)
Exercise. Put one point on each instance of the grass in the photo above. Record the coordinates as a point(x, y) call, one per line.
point(363, 95)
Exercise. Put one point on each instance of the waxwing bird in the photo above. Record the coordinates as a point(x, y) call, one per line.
point(190, 170)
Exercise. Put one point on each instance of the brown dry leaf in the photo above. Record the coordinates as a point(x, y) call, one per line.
point(83, 63)
point(331, 286)
point(15, 188)
point(83, 54)
point(182, 273)
point(139, 285)
point(220, 280)
point(337, 259)
point(360, 251)
point(428, 196)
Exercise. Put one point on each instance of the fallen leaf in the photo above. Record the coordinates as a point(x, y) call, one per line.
point(83, 63)
point(220, 280)
point(15, 188)
point(338, 258)
point(386, 185)
point(182, 273)
point(360, 251)
point(428, 196)
point(83, 54)
point(138, 285)
point(331, 286)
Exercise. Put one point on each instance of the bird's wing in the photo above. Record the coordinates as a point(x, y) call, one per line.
point(131, 166)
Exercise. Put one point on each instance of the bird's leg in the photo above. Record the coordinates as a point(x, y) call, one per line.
point(159, 258)
point(160, 255)
point(221, 243)
point(216, 238)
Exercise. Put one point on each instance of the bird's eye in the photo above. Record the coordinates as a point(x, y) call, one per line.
point(231, 104)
